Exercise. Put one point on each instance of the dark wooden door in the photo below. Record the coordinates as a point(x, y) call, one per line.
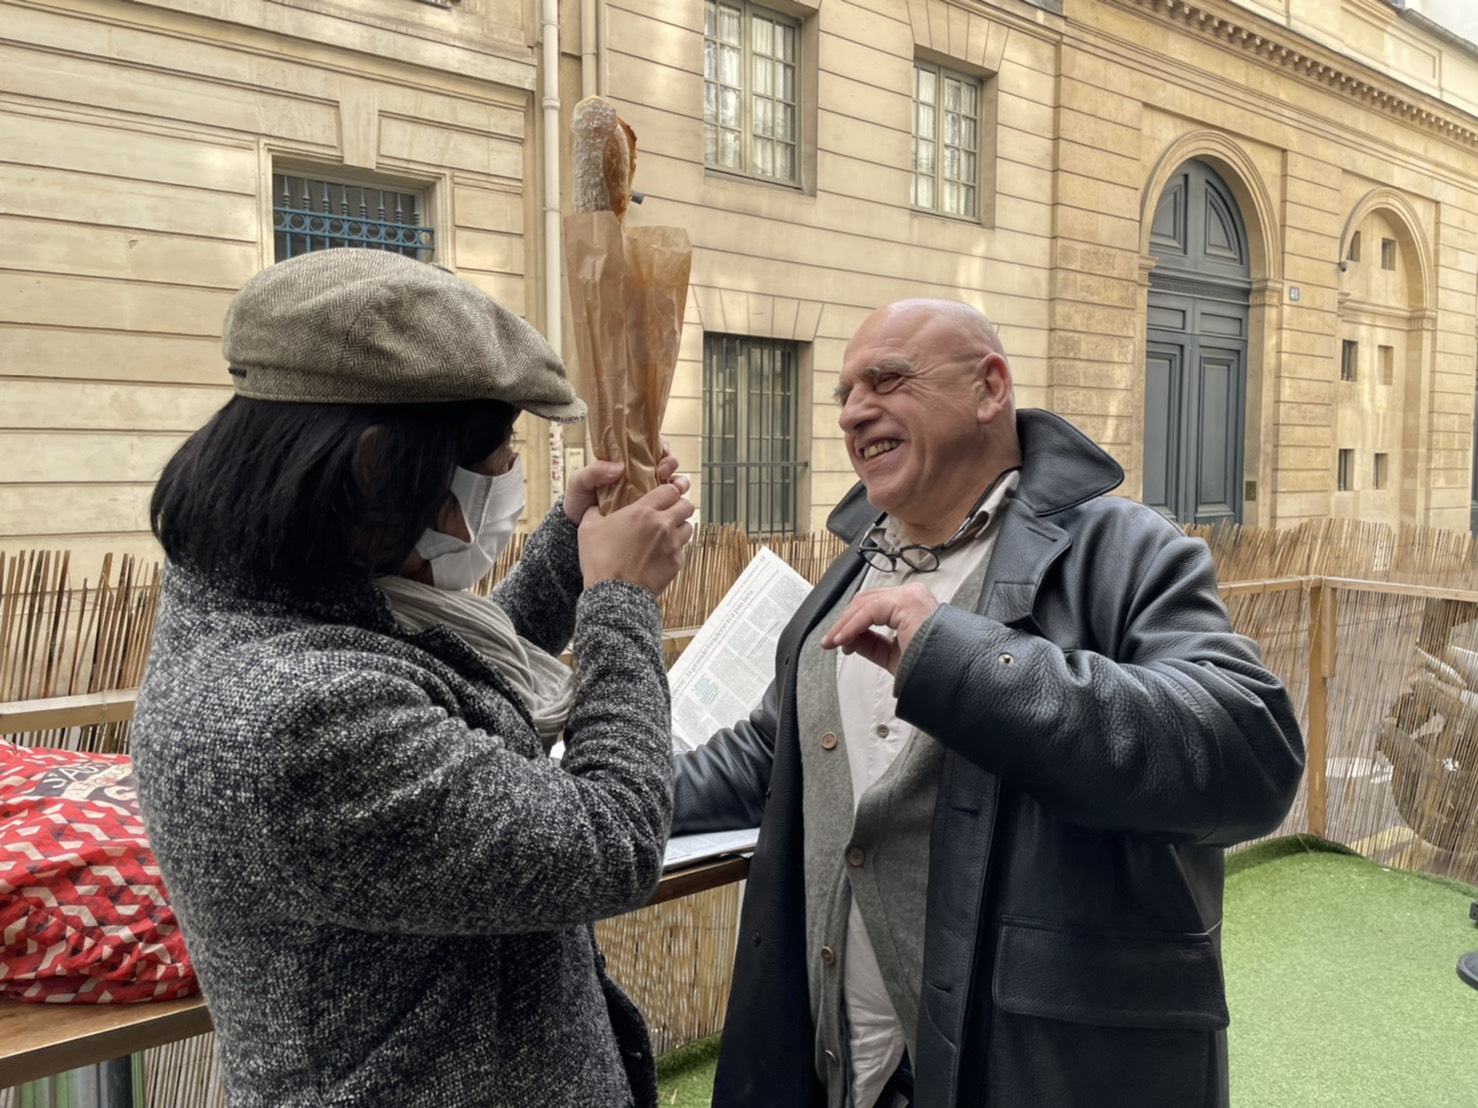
point(1196, 351)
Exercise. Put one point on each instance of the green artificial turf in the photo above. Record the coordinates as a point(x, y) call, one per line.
point(1342, 982)
point(685, 1075)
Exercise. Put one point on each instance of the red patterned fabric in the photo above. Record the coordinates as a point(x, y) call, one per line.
point(84, 917)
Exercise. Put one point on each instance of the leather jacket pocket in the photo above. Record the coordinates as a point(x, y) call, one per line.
point(1104, 1020)
point(1109, 979)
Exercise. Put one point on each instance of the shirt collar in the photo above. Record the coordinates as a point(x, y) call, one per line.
point(894, 536)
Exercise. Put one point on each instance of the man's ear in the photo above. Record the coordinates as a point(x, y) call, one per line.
point(995, 388)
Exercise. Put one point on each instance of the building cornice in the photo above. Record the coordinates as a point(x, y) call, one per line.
point(1277, 46)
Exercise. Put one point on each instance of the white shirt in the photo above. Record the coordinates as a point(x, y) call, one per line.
point(875, 736)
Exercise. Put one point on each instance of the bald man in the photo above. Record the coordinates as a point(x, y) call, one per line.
point(1010, 733)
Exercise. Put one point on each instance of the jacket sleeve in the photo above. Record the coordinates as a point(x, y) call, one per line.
point(1181, 733)
point(723, 784)
point(540, 591)
point(409, 821)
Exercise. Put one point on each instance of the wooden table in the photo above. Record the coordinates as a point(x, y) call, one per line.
point(38, 1040)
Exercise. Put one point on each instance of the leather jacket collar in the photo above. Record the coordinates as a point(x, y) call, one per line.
point(1060, 469)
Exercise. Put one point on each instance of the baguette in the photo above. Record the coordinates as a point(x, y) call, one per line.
point(605, 158)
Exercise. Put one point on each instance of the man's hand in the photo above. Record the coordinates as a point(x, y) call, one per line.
point(903, 609)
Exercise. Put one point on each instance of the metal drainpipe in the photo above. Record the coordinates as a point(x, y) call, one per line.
point(602, 78)
point(589, 63)
point(553, 251)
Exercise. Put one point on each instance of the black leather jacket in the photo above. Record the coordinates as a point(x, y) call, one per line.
point(1107, 734)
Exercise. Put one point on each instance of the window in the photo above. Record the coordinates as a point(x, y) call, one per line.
point(1388, 253)
point(751, 91)
point(946, 137)
point(1345, 471)
point(1349, 360)
point(310, 214)
point(1353, 254)
point(1387, 356)
point(1382, 472)
point(750, 469)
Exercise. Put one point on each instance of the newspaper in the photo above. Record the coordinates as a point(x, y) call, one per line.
point(722, 675)
point(684, 850)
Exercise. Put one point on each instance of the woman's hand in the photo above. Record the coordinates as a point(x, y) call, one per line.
point(667, 469)
point(584, 483)
point(580, 489)
point(642, 543)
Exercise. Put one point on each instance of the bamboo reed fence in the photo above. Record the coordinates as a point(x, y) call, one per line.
point(1364, 623)
point(60, 639)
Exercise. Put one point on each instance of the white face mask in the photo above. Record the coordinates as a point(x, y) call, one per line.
point(490, 508)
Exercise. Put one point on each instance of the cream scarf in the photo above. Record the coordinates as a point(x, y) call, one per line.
point(544, 683)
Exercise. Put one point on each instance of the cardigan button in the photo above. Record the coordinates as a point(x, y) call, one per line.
point(829, 741)
point(1007, 660)
point(855, 856)
point(828, 956)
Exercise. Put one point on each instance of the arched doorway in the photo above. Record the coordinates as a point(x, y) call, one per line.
point(1196, 350)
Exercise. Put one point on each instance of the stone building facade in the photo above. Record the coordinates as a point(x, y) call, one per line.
point(156, 155)
point(1188, 218)
point(1236, 242)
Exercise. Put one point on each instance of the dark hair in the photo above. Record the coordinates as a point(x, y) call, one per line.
point(284, 492)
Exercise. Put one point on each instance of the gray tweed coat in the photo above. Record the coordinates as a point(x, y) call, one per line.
point(385, 887)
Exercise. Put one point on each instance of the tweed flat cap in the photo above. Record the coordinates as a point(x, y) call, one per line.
point(362, 326)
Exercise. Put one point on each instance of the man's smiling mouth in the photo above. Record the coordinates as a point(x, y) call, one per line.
point(882, 446)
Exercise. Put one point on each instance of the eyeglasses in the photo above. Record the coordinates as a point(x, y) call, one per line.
point(919, 557)
point(922, 558)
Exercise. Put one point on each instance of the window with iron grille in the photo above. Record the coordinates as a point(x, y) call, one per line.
point(946, 139)
point(751, 90)
point(751, 474)
point(1349, 360)
point(312, 214)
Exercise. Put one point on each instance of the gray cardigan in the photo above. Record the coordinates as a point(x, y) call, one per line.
point(385, 887)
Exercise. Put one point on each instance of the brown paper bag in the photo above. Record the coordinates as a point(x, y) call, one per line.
point(628, 291)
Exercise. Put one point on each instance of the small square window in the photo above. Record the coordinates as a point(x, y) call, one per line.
point(1387, 355)
point(314, 214)
point(1380, 476)
point(1349, 360)
point(1345, 471)
point(1388, 253)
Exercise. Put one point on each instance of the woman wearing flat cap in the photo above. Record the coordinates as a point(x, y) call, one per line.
point(385, 885)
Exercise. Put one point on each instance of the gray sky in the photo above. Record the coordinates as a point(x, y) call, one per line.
point(1458, 16)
